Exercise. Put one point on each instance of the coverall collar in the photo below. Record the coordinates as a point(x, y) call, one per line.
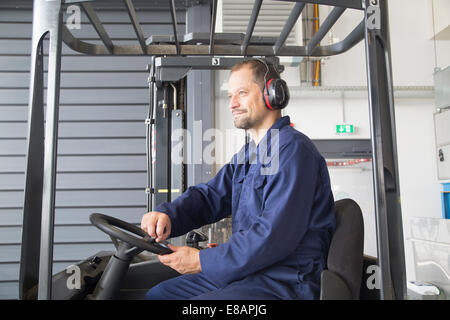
point(280, 123)
point(258, 154)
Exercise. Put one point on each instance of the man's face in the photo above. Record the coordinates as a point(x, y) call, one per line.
point(246, 101)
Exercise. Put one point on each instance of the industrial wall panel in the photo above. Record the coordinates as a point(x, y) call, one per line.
point(81, 95)
point(81, 163)
point(9, 272)
point(8, 289)
point(79, 63)
point(126, 180)
point(271, 19)
point(88, 112)
point(62, 252)
point(74, 147)
point(80, 129)
point(93, 80)
point(85, 198)
point(73, 234)
point(76, 215)
point(101, 164)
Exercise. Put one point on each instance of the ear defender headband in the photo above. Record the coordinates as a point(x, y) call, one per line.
point(276, 91)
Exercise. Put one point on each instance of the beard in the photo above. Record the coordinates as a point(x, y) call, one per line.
point(244, 121)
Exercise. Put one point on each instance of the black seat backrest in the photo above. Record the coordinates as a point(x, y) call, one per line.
point(342, 279)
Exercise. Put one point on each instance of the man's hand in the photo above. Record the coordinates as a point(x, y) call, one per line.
point(157, 225)
point(184, 259)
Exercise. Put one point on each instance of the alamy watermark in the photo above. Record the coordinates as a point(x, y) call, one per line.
point(73, 20)
point(374, 279)
point(373, 16)
point(197, 148)
point(73, 282)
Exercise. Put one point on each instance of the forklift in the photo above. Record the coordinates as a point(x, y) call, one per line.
point(130, 271)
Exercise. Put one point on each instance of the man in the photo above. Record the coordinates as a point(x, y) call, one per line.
point(282, 209)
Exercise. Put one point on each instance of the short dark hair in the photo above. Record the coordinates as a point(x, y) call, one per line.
point(259, 69)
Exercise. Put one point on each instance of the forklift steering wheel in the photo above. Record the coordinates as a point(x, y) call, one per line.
point(111, 225)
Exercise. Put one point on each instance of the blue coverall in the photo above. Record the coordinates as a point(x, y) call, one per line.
point(282, 223)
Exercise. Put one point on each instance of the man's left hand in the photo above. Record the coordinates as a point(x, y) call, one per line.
point(184, 259)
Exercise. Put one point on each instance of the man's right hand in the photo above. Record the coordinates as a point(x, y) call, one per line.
point(157, 225)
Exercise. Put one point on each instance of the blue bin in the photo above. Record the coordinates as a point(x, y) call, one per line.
point(446, 201)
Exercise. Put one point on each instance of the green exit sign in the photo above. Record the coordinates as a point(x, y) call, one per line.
point(345, 128)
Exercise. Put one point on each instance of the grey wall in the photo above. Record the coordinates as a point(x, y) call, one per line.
point(101, 144)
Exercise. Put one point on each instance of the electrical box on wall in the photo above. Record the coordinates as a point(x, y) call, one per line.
point(442, 122)
point(442, 132)
point(442, 88)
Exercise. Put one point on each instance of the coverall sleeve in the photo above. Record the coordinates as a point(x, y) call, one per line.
point(280, 226)
point(202, 204)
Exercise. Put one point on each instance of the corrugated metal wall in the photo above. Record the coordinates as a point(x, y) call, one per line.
point(271, 19)
point(101, 144)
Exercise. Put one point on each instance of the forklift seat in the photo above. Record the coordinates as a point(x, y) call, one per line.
point(342, 279)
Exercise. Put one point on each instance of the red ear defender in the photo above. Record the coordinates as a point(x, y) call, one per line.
point(266, 95)
point(276, 94)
